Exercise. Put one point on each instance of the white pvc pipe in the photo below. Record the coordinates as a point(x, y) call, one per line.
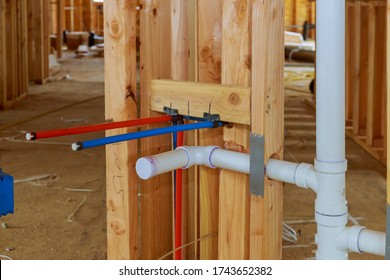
point(373, 242)
point(148, 167)
point(186, 156)
point(301, 174)
point(331, 211)
point(330, 80)
point(230, 160)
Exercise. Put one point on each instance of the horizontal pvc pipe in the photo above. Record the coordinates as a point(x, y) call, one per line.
point(148, 167)
point(185, 157)
point(141, 134)
point(230, 160)
point(373, 242)
point(301, 174)
point(95, 127)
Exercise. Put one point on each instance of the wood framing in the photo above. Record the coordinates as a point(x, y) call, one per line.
point(38, 40)
point(388, 94)
point(365, 74)
point(13, 52)
point(233, 238)
point(3, 58)
point(121, 104)
point(209, 26)
point(231, 103)
point(196, 56)
point(266, 213)
point(297, 12)
point(156, 193)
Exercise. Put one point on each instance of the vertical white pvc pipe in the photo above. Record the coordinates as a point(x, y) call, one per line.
point(331, 210)
point(330, 80)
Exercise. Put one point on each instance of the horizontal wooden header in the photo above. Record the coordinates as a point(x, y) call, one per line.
point(232, 103)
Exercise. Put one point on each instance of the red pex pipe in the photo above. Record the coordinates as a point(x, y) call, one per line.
point(95, 127)
point(179, 201)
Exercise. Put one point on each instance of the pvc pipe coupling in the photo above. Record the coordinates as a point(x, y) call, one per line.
point(301, 174)
point(359, 239)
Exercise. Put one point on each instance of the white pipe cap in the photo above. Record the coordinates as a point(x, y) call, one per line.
point(145, 168)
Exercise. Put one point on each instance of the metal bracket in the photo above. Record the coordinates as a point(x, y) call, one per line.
point(211, 117)
point(387, 250)
point(170, 111)
point(256, 176)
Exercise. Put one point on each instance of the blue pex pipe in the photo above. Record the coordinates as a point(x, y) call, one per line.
point(142, 134)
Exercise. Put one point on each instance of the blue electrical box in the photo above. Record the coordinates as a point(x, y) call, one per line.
point(6, 194)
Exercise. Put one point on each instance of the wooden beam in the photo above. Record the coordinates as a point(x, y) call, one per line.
point(180, 71)
point(232, 103)
point(233, 231)
point(60, 26)
point(375, 135)
point(352, 31)
point(355, 66)
point(371, 74)
point(156, 193)
point(3, 55)
point(388, 95)
point(267, 119)
point(36, 41)
point(360, 109)
point(209, 71)
point(121, 104)
point(11, 45)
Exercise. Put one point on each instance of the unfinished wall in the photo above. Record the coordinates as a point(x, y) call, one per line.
point(39, 17)
point(189, 40)
point(13, 51)
point(297, 12)
point(366, 75)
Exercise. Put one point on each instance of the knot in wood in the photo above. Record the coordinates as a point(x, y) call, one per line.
point(234, 98)
point(115, 29)
point(205, 53)
point(117, 228)
point(241, 9)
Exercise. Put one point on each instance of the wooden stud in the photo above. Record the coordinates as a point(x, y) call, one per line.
point(234, 187)
point(60, 26)
point(3, 55)
point(375, 134)
point(352, 30)
point(355, 66)
point(36, 41)
point(156, 193)
point(121, 104)
point(360, 104)
point(371, 74)
point(209, 71)
point(388, 94)
point(267, 119)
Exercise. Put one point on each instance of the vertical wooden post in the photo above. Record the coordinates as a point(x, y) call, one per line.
point(371, 73)
point(22, 49)
point(388, 97)
point(11, 45)
point(354, 71)
point(3, 56)
point(234, 187)
point(156, 193)
point(352, 31)
point(87, 15)
point(36, 41)
point(267, 119)
point(60, 26)
point(209, 70)
point(121, 104)
point(375, 131)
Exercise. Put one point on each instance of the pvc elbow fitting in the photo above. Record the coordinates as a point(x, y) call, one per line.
point(198, 155)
